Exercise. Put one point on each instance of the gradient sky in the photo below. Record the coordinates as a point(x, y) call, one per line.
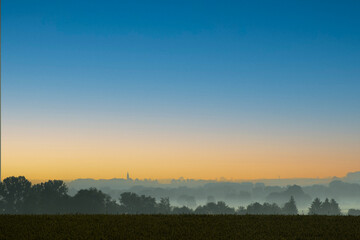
point(164, 89)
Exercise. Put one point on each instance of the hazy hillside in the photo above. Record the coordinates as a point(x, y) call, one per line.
point(191, 192)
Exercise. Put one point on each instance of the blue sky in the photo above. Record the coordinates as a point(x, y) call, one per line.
point(270, 64)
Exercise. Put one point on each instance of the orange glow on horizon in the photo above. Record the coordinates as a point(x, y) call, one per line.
point(44, 153)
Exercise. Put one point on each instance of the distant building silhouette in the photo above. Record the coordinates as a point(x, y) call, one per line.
point(127, 176)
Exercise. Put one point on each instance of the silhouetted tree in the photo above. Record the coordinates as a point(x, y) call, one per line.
point(14, 192)
point(50, 197)
point(290, 207)
point(112, 207)
point(215, 208)
point(164, 206)
point(89, 201)
point(2, 199)
point(263, 209)
point(325, 208)
point(224, 209)
point(334, 208)
point(135, 204)
point(270, 209)
point(315, 208)
point(32, 205)
point(18, 196)
point(254, 208)
point(354, 212)
point(182, 210)
point(295, 191)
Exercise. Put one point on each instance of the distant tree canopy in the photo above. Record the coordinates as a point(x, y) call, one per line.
point(134, 204)
point(293, 191)
point(354, 212)
point(290, 207)
point(324, 208)
point(15, 191)
point(90, 201)
point(266, 208)
point(271, 209)
point(19, 196)
point(215, 208)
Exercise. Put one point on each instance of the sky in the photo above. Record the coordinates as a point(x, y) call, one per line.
point(168, 89)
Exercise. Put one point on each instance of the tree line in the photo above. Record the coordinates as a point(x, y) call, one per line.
point(19, 196)
point(324, 208)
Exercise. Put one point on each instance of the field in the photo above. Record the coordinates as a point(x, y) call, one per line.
point(178, 227)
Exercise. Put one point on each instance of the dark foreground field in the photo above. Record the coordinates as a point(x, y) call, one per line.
point(178, 227)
